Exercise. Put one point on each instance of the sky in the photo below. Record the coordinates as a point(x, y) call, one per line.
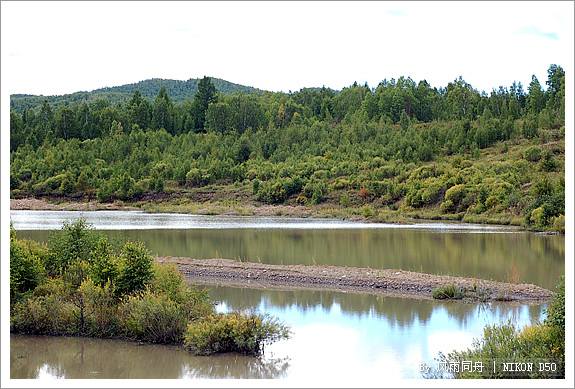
point(54, 48)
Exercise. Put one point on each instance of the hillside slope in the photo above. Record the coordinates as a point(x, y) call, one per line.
point(177, 89)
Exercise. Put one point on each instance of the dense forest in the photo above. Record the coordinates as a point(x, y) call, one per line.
point(401, 147)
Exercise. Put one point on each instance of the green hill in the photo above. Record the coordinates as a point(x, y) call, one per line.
point(178, 91)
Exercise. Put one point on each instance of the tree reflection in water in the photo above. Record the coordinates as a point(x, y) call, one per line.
point(35, 357)
point(236, 366)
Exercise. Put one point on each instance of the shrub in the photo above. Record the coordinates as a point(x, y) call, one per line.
point(68, 185)
point(367, 211)
point(340, 183)
point(504, 343)
point(317, 196)
point(255, 186)
point(26, 265)
point(547, 163)
point(71, 250)
point(491, 202)
point(135, 270)
point(532, 154)
point(344, 202)
point(556, 311)
point(433, 192)
point(447, 292)
point(170, 282)
point(234, 332)
point(538, 217)
point(558, 223)
point(456, 193)
point(543, 187)
point(154, 317)
point(447, 207)
point(100, 309)
point(53, 183)
point(104, 263)
point(48, 311)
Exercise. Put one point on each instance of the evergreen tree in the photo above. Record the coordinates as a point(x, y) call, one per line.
point(536, 97)
point(163, 111)
point(205, 95)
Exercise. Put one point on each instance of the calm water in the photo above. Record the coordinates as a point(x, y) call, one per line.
point(339, 338)
point(488, 252)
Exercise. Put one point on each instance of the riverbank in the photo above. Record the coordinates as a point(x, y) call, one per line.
point(388, 282)
point(42, 205)
point(164, 203)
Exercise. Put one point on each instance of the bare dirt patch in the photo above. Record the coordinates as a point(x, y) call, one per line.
point(387, 282)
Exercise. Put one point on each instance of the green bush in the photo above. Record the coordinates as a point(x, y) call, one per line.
point(344, 202)
point(504, 343)
point(556, 311)
point(447, 207)
point(26, 265)
point(153, 317)
point(234, 332)
point(255, 186)
point(547, 163)
point(135, 270)
point(71, 246)
point(532, 154)
point(122, 295)
point(104, 266)
point(447, 292)
point(47, 311)
point(456, 194)
point(558, 223)
point(68, 185)
point(54, 183)
point(98, 306)
point(170, 282)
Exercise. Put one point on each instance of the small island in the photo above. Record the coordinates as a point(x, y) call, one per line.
point(388, 282)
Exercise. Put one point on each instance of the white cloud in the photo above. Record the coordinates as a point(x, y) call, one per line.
point(534, 30)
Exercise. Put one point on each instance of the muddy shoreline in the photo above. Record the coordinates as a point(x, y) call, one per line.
point(393, 283)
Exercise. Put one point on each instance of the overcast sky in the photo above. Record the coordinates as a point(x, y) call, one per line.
point(56, 48)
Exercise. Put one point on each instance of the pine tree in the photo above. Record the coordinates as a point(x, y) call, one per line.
point(205, 95)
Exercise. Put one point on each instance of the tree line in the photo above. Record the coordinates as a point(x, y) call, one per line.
point(392, 101)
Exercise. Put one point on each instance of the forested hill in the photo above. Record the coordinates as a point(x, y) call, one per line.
point(178, 91)
point(402, 147)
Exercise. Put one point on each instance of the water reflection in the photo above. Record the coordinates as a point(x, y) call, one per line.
point(338, 338)
point(539, 259)
point(38, 357)
point(396, 310)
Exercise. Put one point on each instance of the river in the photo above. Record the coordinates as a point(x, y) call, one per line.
point(338, 338)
